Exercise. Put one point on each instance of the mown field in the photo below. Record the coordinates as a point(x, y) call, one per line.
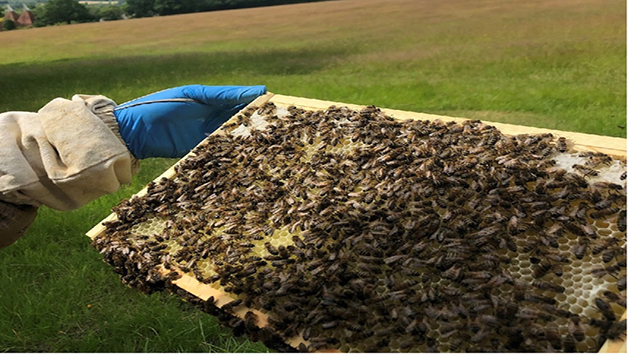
point(559, 64)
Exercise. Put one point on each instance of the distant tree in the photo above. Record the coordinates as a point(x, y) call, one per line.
point(171, 7)
point(146, 8)
point(8, 25)
point(38, 11)
point(211, 5)
point(62, 11)
point(140, 8)
point(107, 12)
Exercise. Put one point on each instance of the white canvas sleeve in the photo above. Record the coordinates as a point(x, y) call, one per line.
point(64, 156)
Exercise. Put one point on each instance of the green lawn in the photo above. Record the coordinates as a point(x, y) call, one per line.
point(558, 64)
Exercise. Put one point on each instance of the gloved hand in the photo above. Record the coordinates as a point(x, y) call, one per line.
point(170, 123)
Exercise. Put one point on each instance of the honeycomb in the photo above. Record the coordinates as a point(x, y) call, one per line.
point(355, 232)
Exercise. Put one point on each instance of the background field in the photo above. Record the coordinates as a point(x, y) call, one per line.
point(559, 64)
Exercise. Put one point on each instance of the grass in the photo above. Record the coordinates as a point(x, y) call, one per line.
point(558, 64)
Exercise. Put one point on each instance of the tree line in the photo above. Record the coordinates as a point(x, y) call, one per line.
point(144, 8)
point(55, 12)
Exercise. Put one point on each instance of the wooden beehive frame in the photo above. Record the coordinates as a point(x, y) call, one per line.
point(615, 147)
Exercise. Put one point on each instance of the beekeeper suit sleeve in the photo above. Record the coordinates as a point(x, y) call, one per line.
point(64, 156)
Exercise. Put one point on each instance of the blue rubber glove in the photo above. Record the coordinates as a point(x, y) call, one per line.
point(170, 123)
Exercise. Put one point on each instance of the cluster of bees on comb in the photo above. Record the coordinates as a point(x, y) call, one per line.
point(357, 232)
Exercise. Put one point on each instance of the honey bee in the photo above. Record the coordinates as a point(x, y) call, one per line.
point(576, 180)
point(541, 269)
point(302, 348)
point(330, 325)
point(569, 343)
point(516, 226)
point(576, 328)
point(610, 254)
point(580, 249)
point(605, 309)
point(316, 346)
point(553, 336)
point(604, 245)
point(610, 270)
point(250, 320)
point(621, 284)
point(539, 299)
point(479, 336)
point(621, 220)
point(406, 344)
point(544, 285)
point(615, 298)
point(617, 330)
point(604, 212)
point(603, 185)
point(231, 305)
point(271, 249)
